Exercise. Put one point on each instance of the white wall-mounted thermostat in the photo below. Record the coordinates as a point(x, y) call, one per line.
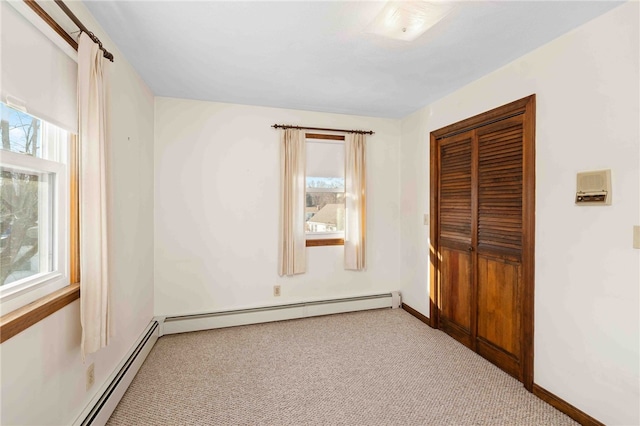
point(593, 188)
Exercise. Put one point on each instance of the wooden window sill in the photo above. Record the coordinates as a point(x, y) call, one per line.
point(22, 318)
point(326, 242)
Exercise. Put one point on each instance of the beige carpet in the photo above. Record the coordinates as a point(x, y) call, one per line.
point(380, 367)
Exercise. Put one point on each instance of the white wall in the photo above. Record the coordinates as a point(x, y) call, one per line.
point(216, 209)
point(43, 375)
point(587, 274)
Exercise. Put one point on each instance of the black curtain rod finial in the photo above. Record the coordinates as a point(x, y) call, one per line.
point(84, 29)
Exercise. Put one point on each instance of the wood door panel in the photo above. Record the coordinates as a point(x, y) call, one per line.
point(454, 235)
point(498, 304)
point(456, 288)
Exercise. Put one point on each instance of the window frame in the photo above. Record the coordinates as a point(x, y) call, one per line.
point(49, 224)
point(324, 238)
point(24, 317)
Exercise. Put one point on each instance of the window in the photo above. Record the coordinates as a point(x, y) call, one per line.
point(325, 190)
point(34, 208)
point(39, 238)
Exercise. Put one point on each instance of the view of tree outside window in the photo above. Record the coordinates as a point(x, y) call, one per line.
point(26, 196)
point(324, 208)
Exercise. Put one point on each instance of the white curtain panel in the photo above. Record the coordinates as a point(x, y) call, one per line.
point(292, 244)
point(356, 202)
point(94, 137)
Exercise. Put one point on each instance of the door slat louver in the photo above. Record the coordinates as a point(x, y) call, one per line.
point(455, 191)
point(500, 189)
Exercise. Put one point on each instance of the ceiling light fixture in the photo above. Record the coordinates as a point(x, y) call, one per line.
point(408, 20)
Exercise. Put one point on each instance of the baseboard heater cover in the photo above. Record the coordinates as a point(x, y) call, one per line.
point(231, 318)
point(101, 407)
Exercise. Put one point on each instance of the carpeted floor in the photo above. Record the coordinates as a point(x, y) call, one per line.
point(381, 367)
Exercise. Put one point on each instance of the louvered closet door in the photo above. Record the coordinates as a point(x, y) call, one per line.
point(483, 228)
point(499, 243)
point(480, 240)
point(455, 219)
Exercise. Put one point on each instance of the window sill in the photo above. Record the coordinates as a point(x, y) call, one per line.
point(325, 242)
point(22, 318)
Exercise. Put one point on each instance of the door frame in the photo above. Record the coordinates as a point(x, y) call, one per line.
point(527, 108)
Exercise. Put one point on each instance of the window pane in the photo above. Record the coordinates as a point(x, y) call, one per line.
point(20, 132)
point(25, 224)
point(324, 210)
point(314, 183)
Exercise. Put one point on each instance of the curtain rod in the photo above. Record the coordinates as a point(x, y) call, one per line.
point(286, 126)
point(84, 29)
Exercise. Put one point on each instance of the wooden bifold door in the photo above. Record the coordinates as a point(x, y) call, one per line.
point(482, 228)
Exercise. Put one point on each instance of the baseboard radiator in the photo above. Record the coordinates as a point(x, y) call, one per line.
point(101, 407)
point(211, 320)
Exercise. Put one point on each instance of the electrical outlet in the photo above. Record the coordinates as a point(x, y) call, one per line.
point(636, 237)
point(276, 290)
point(426, 219)
point(91, 377)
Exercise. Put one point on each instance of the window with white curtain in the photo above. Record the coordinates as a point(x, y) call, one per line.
point(325, 189)
point(38, 124)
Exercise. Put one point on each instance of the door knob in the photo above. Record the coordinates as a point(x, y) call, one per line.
point(470, 248)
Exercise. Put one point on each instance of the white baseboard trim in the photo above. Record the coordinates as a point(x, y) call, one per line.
point(211, 320)
point(101, 407)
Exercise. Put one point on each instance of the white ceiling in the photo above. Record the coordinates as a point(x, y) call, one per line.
point(317, 56)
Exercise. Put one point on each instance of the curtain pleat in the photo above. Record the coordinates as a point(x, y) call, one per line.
point(355, 188)
point(94, 136)
point(292, 246)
